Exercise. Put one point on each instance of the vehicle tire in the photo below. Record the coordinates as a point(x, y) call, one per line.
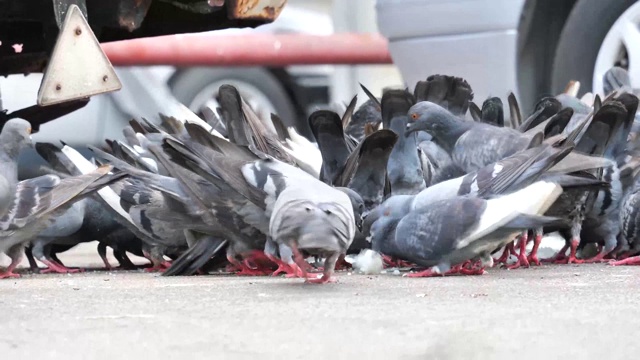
point(580, 41)
point(187, 84)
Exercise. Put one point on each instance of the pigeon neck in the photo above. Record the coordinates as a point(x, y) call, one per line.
point(9, 148)
point(406, 144)
point(452, 129)
point(398, 126)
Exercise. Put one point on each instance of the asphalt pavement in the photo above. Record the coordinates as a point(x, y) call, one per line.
point(585, 311)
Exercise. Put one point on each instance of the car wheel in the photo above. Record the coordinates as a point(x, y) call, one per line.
point(198, 87)
point(597, 35)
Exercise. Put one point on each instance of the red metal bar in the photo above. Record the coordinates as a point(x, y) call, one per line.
point(248, 50)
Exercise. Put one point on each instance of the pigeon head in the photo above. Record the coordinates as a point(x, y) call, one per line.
point(437, 121)
point(381, 231)
point(15, 136)
point(358, 205)
point(386, 216)
point(429, 117)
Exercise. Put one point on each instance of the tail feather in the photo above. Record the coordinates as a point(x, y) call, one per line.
point(196, 256)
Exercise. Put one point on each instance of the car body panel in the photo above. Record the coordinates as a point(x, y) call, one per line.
point(479, 43)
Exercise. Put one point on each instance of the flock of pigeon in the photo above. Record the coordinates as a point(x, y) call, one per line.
point(426, 180)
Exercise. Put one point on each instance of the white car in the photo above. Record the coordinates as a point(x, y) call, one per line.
point(531, 47)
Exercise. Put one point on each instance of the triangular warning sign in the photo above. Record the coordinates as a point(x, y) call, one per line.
point(78, 67)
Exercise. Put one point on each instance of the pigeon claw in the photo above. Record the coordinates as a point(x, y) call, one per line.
point(159, 267)
point(533, 256)
point(472, 271)
point(634, 260)
point(8, 275)
point(521, 262)
point(56, 268)
point(508, 250)
point(324, 279)
point(571, 259)
point(600, 258)
point(296, 272)
point(424, 273)
point(533, 259)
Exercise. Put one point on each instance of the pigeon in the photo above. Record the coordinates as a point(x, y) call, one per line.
point(451, 93)
point(503, 177)
point(318, 222)
point(471, 145)
point(283, 192)
point(327, 129)
point(404, 167)
point(365, 170)
point(492, 112)
point(444, 236)
point(63, 226)
point(94, 222)
point(162, 211)
point(368, 113)
point(543, 110)
point(131, 202)
point(39, 200)
point(598, 138)
point(437, 165)
point(15, 136)
point(629, 222)
point(602, 224)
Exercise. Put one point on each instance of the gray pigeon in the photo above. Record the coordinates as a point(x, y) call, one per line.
point(629, 223)
point(471, 145)
point(450, 92)
point(327, 129)
point(492, 112)
point(597, 139)
point(404, 167)
point(368, 113)
point(365, 170)
point(602, 225)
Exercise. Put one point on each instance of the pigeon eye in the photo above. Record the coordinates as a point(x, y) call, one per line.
point(414, 116)
point(328, 212)
point(308, 208)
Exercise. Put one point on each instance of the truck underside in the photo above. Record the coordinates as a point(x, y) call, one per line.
point(29, 28)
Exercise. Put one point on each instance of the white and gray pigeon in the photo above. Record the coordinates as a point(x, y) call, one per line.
point(37, 201)
point(15, 136)
point(443, 237)
point(503, 177)
point(305, 214)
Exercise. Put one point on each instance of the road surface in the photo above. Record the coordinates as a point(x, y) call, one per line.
point(586, 311)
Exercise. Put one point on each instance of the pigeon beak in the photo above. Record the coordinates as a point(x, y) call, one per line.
point(410, 129)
